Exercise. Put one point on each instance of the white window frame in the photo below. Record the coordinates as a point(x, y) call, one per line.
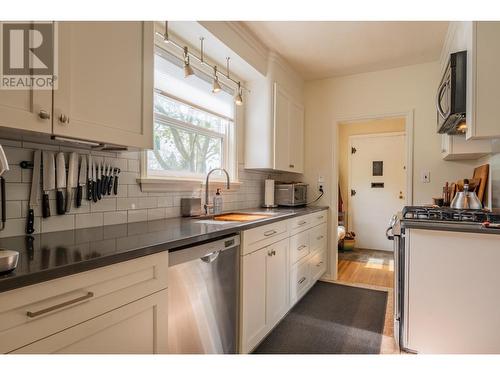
point(179, 181)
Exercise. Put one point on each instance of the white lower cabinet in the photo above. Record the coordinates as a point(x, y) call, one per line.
point(136, 328)
point(264, 292)
point(277, 275)
point(121, 308)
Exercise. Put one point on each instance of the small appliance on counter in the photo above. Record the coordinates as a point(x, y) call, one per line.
point(291, 194)
point(190, 207)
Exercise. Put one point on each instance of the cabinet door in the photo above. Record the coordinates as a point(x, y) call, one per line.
point(137, 328)
point(296, 138)
point(277, 296)
point(253, 299)
point(106, 83)
point(26, 110)
point(281, 129)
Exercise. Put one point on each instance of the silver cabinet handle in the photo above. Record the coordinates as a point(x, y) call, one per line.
point(301, 247)
point(319, 264)
point(270, 233)
point(292, 166)
point(302, 222)
point(44, 115)
point(63, 119)
point(302, 280)
point(320, 217)
point(59, 306)
point(271, 253)
point(319, 238)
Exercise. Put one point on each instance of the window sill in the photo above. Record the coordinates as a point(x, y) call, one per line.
point(153, 184)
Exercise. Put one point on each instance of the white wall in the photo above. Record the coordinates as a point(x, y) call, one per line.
point(411, 88)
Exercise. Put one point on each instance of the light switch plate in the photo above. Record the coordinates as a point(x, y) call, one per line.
point(425, 177)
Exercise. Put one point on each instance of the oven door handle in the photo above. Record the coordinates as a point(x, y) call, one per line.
point(438, 99)
point(389, 236)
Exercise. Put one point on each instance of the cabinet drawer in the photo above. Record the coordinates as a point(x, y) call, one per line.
point(317, 264)
point(34, 312)
point(300, 279)
point(299, 246)
point(256, 238)
point(317, 237)
point(301, 223)
point(319, 217)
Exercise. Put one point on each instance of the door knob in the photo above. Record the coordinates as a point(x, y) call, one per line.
point(63, 119)
point(44, 115)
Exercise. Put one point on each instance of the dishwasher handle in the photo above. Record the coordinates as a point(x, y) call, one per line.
point(209, 258)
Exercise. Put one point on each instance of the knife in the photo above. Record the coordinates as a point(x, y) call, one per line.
point(107, 173)
point(99, 181)
point(72, 179)
point(115, 182)
point(60, 182)
point(89, 179)
point(94, 182)
point(82, 180)
point(49, 180)
point(35, 187)
point(110, 181)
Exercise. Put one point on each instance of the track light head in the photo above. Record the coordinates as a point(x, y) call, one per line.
point(216, 85)
point(238, 99)
point(188, 70)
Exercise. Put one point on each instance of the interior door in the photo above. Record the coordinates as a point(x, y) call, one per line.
point(378, 187)
point(106, 82)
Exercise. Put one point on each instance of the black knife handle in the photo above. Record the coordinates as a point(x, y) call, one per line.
point(30, 221)
point(79, 194)
point(94, 191)
point(98, 187)
point(45, 206)
point(115, 186)
point(110, 185)
point(60, 203)
point(4, 213)
point(89, 190)
point(104, 181)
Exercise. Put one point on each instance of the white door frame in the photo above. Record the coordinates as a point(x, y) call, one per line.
point(349, 169)
point(408, 115)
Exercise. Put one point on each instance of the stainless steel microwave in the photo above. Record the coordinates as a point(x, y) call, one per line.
point(291, 194)
point(451, 96)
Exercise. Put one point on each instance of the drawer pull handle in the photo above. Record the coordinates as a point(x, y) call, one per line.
point(301, 247)
point(270, 233)
point(320, 217)
point(271, 253)
point(319, 264)
point(60, 305)
point(303, 222)
point(319, 238)
point(302, 280)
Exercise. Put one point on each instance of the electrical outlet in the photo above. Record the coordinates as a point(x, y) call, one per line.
point(321, 183)
point(425, 177)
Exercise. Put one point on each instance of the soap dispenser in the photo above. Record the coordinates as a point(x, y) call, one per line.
point(218, 202)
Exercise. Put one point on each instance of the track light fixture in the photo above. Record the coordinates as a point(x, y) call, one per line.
point(165, 36)
point(238, 99)
point(188, 70)
point(216, 85)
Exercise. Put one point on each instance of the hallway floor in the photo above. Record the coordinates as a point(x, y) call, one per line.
point(373, 269)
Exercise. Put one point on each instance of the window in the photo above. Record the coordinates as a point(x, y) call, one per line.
point(193, 128)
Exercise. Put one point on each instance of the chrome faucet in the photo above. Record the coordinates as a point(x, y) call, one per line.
point(207, 205)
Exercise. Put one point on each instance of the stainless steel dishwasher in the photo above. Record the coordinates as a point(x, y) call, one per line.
point(203, 289)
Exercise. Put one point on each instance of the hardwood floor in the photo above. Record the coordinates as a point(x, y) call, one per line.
point(372, 269)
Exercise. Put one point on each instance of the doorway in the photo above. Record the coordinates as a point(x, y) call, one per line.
point(373, 187)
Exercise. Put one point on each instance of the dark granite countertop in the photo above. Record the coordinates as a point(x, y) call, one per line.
point(48, 256)
point(447, 226)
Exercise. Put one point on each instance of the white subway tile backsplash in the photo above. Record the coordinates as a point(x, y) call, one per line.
point(137, 215)
point(129, 205)
point(115, 217)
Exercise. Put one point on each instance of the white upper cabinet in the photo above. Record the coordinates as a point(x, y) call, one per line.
point(105, 91)
point(483, 80)
point(26, 110)
point(274, 126)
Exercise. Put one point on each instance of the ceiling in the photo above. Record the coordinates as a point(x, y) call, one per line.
point(325, 49)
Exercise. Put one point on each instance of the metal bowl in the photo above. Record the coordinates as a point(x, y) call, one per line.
point(8, 260)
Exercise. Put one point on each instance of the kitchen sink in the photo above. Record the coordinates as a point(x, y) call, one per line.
point(233, 216)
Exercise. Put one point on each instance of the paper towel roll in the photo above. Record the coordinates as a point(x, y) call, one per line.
point(269, 193)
